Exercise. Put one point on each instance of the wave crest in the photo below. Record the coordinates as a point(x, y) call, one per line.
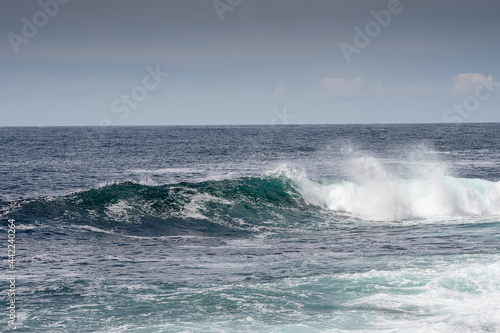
point(392, 198)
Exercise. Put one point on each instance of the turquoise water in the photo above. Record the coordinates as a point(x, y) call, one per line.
point(390, 228)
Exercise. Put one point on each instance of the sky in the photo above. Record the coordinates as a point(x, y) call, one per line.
point(206, 62)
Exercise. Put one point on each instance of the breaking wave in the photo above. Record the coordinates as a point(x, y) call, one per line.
point(283, 198)
point(400, 199)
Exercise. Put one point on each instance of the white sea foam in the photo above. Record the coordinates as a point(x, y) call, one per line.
point(459, 297)
point(121, 211)
point(119, 208)
point(374, 192)
point(197, 204)
point(93, 229)
point(435, 197)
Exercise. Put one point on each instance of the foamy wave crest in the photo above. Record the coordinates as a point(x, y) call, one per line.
point(416, 188)
point(406, 199)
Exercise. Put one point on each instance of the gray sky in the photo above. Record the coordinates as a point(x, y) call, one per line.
point(90, 62)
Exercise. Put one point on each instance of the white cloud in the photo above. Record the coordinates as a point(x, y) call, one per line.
point(465, 83)
point(342, 87)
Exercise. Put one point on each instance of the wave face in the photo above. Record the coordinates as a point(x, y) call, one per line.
point(230, 206)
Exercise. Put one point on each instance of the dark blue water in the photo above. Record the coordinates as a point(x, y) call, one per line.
point(254, 228)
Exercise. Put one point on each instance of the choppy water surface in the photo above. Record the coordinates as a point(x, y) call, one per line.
point(389, 228)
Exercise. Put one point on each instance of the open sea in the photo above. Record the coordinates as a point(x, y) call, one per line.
point(341, 228)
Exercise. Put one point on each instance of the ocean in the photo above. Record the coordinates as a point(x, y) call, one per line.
point(293, 228)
